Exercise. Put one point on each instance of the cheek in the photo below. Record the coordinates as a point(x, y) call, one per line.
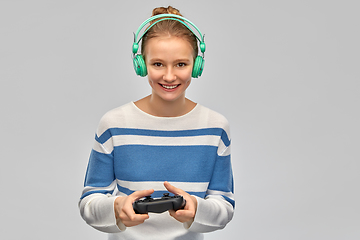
point(188, 83)
point(154, 79)
point(150, 79)
point(151, 82)
point(154, 75)
point(186, 76)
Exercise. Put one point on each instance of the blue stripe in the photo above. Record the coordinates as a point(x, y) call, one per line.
point(124, 190)
point(232, 202)
point(165, 163)
point(158, 133)
point(100, 170)
point(222, 178)
point(98, 191)
point(157, 194)
point(225, 139)
point(221, 183)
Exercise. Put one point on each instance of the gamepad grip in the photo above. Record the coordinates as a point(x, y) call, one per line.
point(159, 205)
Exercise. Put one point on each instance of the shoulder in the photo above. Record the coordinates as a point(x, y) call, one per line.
point(213, 118)
point(114, 117)
point(117, 113)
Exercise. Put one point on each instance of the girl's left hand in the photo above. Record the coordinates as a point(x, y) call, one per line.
point(188, 213)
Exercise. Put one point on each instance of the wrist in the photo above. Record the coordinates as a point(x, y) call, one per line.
point(117, 206)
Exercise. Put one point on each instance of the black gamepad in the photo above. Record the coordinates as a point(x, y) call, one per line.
point(159, 205)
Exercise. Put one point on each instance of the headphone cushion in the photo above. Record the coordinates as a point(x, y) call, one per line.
point(139, 65)
point(198, 67)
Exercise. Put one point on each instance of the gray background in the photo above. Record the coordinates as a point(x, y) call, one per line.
point(285, 74)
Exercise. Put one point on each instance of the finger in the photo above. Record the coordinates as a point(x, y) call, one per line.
point(182, 215)
point(172, 189)
point(177, 191)
point(130, 216)
point(138, 219)
point(139, 194)
point(128, 205)
point(185, 213)
point(172, 213)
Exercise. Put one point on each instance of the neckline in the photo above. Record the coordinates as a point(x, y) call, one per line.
point(153, 116)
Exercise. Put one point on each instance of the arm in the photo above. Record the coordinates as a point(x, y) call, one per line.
point(217, 208)
point(97, 203)
point(98, 207)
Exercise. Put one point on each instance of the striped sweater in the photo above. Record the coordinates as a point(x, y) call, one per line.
point(135, 151)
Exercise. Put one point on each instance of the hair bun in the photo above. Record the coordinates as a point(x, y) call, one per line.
point(168, 10)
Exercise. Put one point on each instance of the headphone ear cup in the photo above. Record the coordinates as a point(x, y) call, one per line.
point(139, 65)
point(198, 67)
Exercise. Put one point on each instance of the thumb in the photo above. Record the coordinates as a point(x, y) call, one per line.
point(143, 193)
point(172, 189)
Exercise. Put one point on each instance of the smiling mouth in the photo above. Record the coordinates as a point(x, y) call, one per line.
point(169, 87)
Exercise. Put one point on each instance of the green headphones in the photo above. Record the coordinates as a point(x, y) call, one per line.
point(138, 59)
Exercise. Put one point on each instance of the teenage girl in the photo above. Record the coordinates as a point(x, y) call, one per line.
point(161, 143)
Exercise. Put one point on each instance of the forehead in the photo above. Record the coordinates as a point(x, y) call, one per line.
point(168, 47)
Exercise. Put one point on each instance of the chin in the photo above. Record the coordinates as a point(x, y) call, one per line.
point(170, 97)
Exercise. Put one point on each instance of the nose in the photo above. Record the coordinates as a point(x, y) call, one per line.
point(169, 75)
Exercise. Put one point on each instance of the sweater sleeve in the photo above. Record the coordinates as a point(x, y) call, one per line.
point(97, 202)
point(217, 208)
point(98, 211)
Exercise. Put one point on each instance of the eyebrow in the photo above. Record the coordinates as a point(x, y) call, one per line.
point(177, 60)
point(183, 60)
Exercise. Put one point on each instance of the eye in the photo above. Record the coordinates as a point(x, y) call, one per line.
point(157, 64)
point(181, 64)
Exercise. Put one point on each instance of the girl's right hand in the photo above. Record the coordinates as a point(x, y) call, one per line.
point(124, 211)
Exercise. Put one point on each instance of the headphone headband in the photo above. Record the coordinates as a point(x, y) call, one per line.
point(167, 17)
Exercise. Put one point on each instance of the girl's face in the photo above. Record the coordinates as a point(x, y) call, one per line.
point(169, 62)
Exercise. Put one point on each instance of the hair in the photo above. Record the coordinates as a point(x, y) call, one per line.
point(169, 28)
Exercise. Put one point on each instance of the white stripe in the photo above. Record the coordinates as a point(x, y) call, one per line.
point(227, 194)
point(120, 140)
point(130, 116)
point(103, 149)
point(109, 145)
point(223, 150)
point(111, 187)
point(159, 186)
point(209, 140)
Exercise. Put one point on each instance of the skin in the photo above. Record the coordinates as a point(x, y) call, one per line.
point(169, 62)
point(125, 212)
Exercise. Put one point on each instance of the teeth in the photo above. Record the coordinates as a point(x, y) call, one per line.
point(169, 87)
